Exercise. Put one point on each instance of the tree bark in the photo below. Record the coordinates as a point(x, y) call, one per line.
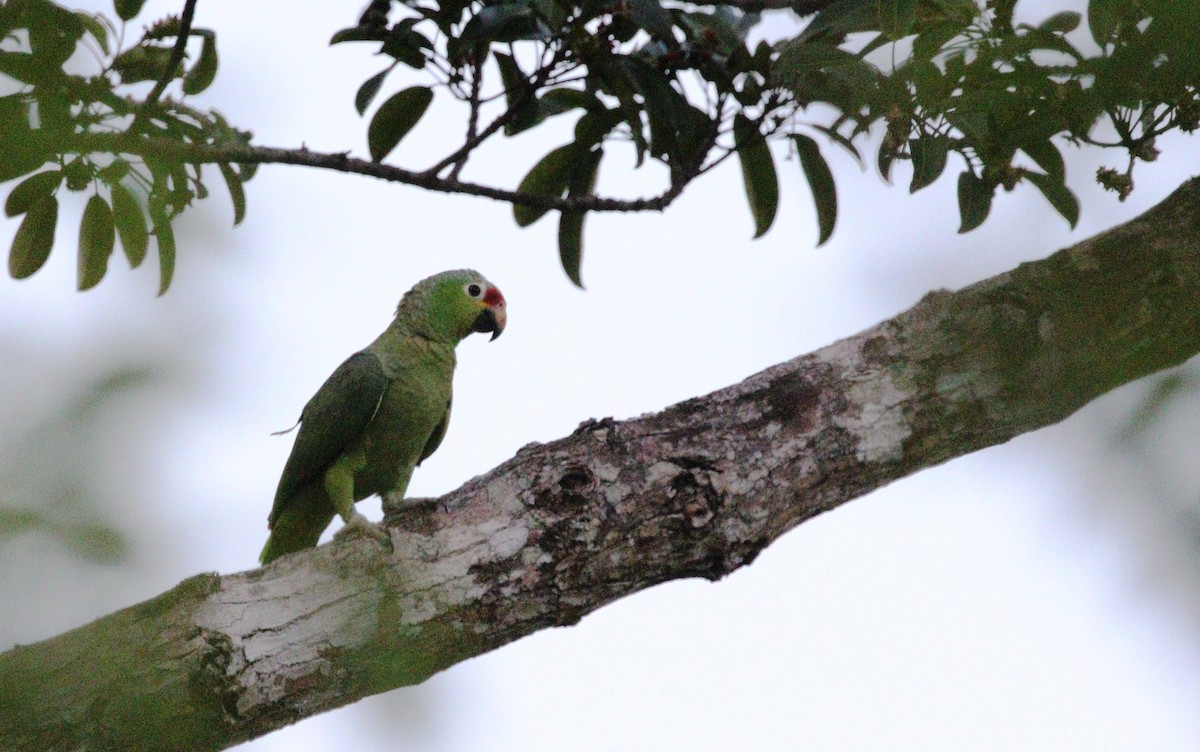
point(561, 529)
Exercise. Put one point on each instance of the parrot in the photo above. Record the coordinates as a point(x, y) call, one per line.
point(381, 413)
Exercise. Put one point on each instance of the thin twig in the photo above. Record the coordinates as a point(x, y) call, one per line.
point(472, 119)
point(177, 52)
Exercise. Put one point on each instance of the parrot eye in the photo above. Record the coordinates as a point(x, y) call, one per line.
point(474, 290)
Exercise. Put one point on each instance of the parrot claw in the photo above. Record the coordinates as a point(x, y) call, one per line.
point(360, 525)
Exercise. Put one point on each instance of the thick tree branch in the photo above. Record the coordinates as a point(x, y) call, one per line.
point(561, 529)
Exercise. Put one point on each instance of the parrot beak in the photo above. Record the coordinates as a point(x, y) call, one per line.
point(493, 318)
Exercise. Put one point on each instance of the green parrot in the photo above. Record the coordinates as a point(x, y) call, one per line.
point(381, 413)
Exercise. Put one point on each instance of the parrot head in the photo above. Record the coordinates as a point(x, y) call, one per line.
point(452, 305)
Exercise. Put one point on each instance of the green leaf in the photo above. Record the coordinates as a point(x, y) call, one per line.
point(165, 235)
point(127, 9)
point(564, 99)
point(1062, 23)
point(96, 28)
point(202, 74)
point(237, 194)
point(842, 17)
point(896, 17)
point(114, 172)
point(34, 238)
point(758, 173)
point(570, 224)
point(929, 159)
point(595, 125)
point(519, 94)
point(1058, 194)
point(649, 15)
point(1047, 156)
point(1104, 17)
point(358, 34)
point(549, 177)
point(31, 190)
point(96, 238)
point(395, 118)
point(510, 22)
point(820, 182)
point(974, 201)
point(143, 62)
point(130, 224)
point(370, 87)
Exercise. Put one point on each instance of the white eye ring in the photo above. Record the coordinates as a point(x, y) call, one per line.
point(474, 290)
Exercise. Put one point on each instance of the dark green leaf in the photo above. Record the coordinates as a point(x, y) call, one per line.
point(820, 182)
point(202, 74)
point(395, 118)
point(1058, 194)
point(564, 99)
point(369, 89)
point(549, 177)
point(1047, 156)
point(1104, 16)
point(114, 171)
point(31, 190)
point(974, 201)
point(843, 142)
point(896, 17)
point(127, 9)
point(758, 173)
point(884, 160)
point(145, 62)
point(972, 124)
point(510, 22)
point(130, 224)
point(842, 17)
point(358, 34)
point(931, 40)
point(554, 13)
point(34, 238)
point(96, 238)
point(236, 193)
point(595, 125)
point(661, 104)
point(1062, 23)
point(929, 159)
point(519, 94)
point(649, 15)
point(819, 72)
point(96, 28)
point(165, 235)
point(570, 224)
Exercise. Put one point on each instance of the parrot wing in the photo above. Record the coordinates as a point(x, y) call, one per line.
point(335, 416)
point(435, 438)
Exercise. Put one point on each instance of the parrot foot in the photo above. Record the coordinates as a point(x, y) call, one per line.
point(360, 525)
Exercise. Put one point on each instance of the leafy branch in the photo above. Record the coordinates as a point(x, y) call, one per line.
point(678, 83)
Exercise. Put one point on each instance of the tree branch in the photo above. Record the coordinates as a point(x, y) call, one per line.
point(201, 153)
point(561, 529)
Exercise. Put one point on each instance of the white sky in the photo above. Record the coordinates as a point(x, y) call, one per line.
point(992, 603)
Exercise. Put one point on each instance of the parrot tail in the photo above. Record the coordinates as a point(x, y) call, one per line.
point(300, 523)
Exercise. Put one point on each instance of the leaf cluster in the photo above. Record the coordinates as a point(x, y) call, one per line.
point(49, 124)
point(1006, 96)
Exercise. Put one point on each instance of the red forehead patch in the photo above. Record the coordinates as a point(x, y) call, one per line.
point(493, 297)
